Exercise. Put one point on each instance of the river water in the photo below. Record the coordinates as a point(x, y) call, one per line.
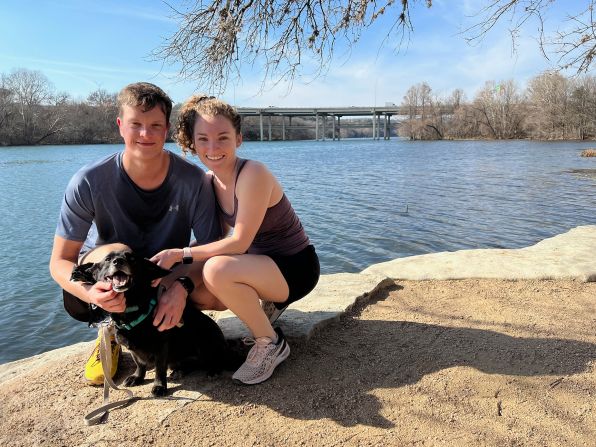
point(361, 202)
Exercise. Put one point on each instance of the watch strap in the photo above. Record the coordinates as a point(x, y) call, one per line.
point(187, 283)
point(186, 256)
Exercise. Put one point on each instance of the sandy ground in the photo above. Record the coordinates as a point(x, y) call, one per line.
point(470, 362)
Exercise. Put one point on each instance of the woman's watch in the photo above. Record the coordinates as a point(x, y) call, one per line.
point(187, 283)
point(187, 256)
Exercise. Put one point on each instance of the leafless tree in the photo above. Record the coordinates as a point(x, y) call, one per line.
point(457, 98)
point(548, 95)
point(500, 109)
point(102, 107)
point(582, 107)
point(426, 114)
point(38, 110)
point(572, 43)
point(411, 101)
point(102, 98)
point(290, 37)
point(464, 123)
point(215, 36)
point(5, 109)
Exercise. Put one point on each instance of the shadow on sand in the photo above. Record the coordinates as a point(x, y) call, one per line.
point(332, 375)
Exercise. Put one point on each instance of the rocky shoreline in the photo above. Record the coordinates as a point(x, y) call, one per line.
point(483, 302)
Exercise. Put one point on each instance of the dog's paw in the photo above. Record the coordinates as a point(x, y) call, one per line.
point(133, 381)
point(159, 391)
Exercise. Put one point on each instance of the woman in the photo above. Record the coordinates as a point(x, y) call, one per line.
point(267, 257)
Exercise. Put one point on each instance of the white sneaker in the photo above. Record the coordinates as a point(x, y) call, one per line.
point(262, 359)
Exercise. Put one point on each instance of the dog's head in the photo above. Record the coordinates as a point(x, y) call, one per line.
point(121, 268)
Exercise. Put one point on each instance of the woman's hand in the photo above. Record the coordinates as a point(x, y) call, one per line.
point(167, 258)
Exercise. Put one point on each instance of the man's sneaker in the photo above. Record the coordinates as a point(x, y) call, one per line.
point(93, 368)
point(262, 359)
point(272, 312)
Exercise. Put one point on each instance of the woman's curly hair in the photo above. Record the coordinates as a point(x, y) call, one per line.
point(201, 105)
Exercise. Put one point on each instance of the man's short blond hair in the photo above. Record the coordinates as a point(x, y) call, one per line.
point(146, 96)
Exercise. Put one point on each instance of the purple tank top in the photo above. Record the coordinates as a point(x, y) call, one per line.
point(280, 233)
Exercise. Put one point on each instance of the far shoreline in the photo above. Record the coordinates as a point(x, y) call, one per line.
point(330, 139)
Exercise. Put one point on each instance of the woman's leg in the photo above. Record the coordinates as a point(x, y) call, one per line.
point(240, 281)
point(201, 298)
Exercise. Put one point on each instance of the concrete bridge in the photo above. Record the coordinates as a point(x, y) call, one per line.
point(380, 118)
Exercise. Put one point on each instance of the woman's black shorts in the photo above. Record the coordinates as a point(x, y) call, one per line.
point(301, 271)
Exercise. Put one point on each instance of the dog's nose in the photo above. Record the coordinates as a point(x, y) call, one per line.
point(117, 262)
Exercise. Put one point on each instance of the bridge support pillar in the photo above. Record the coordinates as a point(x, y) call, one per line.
point(261, 124)
point(333, 124)
point(269, 121)
point(388, 127)
point(374, 129)
point(316, 126)
point(283, 128)
point(338, 127)
point(324, 126)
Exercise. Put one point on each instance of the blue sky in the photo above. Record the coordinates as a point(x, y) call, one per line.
point(81, 45)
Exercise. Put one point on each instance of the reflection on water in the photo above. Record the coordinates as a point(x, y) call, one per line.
point(25, 162)
point(361, 202)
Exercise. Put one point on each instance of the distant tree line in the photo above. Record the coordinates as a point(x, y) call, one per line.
point(551, 107)
point(32, 112)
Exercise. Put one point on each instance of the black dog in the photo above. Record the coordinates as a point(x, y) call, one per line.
point(197, 343)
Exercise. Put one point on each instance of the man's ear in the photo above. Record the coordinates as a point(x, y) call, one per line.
point(152, 270)
point(84, 273)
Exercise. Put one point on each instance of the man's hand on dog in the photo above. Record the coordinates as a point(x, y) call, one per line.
point(102, 295)
point(170, 307)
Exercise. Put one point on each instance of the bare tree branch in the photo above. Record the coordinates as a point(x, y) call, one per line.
point(215, 37)
point(573, 42)
point(576, 47)
point(287, 37)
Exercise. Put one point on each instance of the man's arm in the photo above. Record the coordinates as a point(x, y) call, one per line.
point(64, 257)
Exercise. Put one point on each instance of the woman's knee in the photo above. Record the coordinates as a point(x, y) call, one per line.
point(216, 271)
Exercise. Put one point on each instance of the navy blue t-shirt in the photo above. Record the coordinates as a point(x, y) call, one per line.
point(103, 205)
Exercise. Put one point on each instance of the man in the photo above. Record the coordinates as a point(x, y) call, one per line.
point(144, 197)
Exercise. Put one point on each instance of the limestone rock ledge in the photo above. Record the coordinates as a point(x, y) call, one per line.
point(571, 255)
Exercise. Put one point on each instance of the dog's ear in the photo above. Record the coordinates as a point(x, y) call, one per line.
point(152, 270)
point(84, 273)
